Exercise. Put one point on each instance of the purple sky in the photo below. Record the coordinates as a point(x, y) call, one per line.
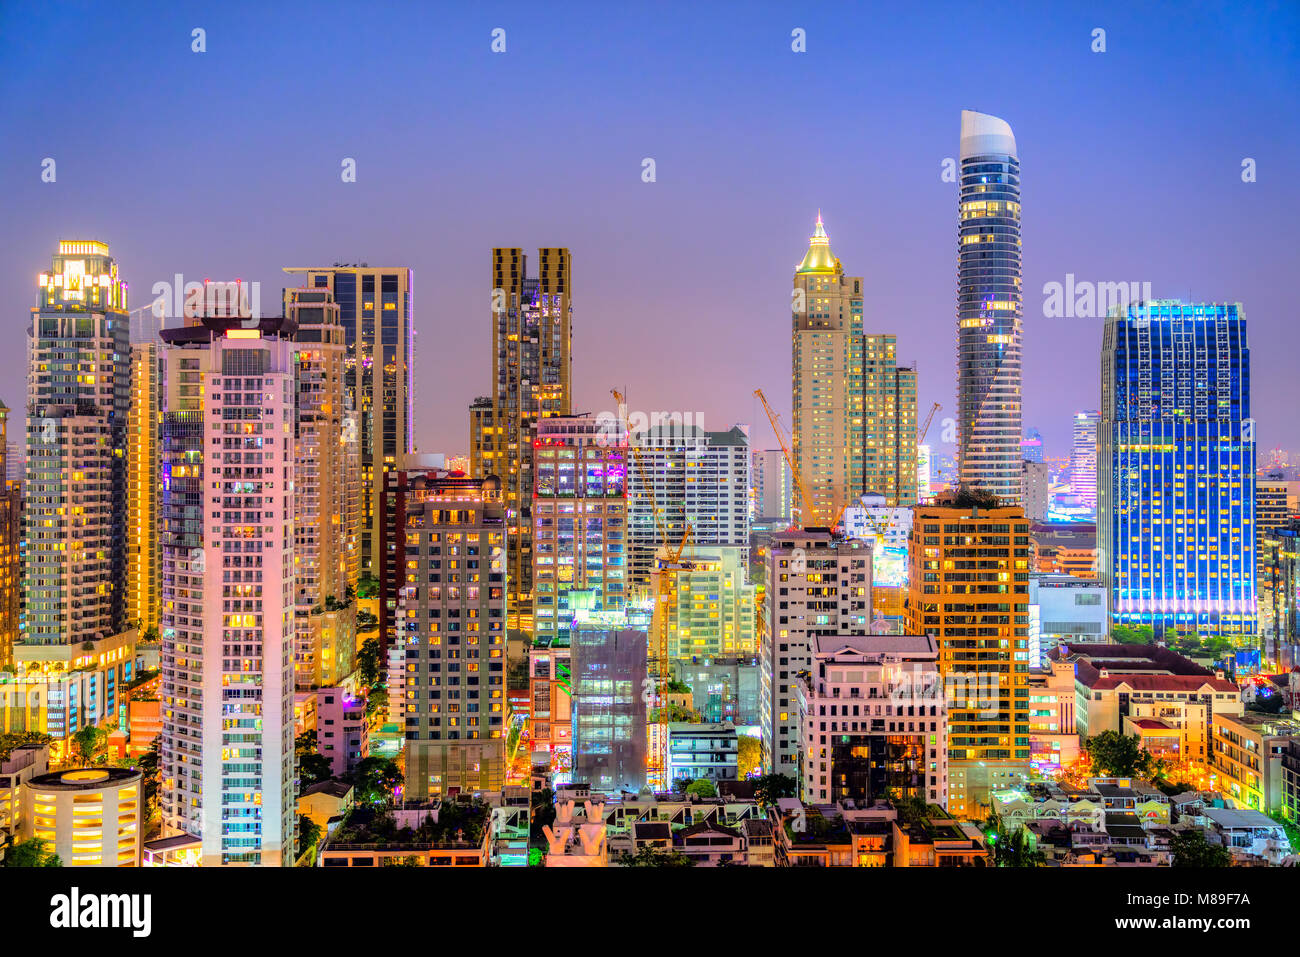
point(226, 164)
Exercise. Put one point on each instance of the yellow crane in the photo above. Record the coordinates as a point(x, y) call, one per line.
point(809, 514)
point(920, 436)
point(663, 585)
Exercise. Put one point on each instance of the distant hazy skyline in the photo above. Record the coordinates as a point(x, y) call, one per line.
point(226, 164)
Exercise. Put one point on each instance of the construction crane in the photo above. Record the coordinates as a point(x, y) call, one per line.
point(663, 585)
point(920, 436)
point(809, 513)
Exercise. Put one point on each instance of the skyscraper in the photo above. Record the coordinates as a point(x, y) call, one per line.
point(1176, 468)
point(227, 542)
point(11, 515)
point(453, 632)
point(78, 395)
point(143, 570)
point(989, 308)
point(326, 557)
point(376, 312)
point(854, 406)
point(1083, 459)
point(694, 478)
point(532, 320)
point(1031, 446)
point(968, 587)
point(826, 356)
point(773, 486)
point(816, 585)
point(579, 513)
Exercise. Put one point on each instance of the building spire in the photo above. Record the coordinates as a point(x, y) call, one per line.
point(819, 258)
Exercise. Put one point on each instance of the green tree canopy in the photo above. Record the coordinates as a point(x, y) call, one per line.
point(702, 787)
point(376, 779)
point(650, 857)
point(770, 788)
point(31, 853)
point(1119, 755)
point(90, 743)
point(1191, 849)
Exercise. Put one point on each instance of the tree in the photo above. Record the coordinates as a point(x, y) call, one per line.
point(1010, 849)
point(370, 662)
point(650, 857)
point(150, 765)
point(1273, 704)
point(313, 767)
point(367, 586)
point(90, 744)
point(410, 860)
point(17, 739)
point(770, 788)
point(309, 833)
point(749, 759)
point(31, 853)
point(702, 787)
point(376, 780)
point(1119, 755)
point(1191, 849)
point(974, 498)
point(376, 700)
point(366, 620)
point(1132, 634)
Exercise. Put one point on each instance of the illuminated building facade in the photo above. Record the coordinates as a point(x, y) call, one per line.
point(579, 516)
point(11, 516)
point(773, 486)
point(710, 604)
point(1279, 604)
point(968, 588)
point(989, 308)
point(1271, 514)
point(1083, 460)
point(695, 478)
point(1176, 463)
point(326, 494)
point(228, 457)
point(609, 707)
point(451, 625)
point(532, 369)
point(854, 407)
point(872, 721)
point(89, 818)
point(143, 570)
point(816, 585)
point(78, 396)
point(376, 311)
point(1035, 489)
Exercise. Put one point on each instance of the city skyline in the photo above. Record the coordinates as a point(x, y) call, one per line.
point(440, 217)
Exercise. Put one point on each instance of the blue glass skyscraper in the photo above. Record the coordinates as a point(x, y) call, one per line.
point(1176, 469)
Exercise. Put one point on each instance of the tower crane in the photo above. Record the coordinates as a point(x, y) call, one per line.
point(663, 585)
point(809, 513)
point(920, 436)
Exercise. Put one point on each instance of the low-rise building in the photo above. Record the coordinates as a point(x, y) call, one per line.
point(325, 802)
point(1053, 737)
point(20, 765)
point(1250, 836)
point(429, 833)
point(89, 817)
point(1065, 608)
point(724, 688)
point(873, 720)
point(1247, 757)
point(708, 751)
point(342, 731)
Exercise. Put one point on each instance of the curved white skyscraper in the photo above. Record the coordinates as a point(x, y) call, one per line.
point(989, 308)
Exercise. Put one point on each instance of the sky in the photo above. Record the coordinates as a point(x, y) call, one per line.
point(226, 164)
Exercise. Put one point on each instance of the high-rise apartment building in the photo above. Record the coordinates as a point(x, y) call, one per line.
point(854, 407)
point(710, 604)
point(1083, 459)
point(143, 489)
point(968, 588)
point(227, 541)
point(1035, 489)
point(989, 308)
point(683, 476)
point(1176, 467)
point(816, 585)
point(1271, 513)
point(826, 355)
point(579, 518)
point(11, 569)
point(375, 310)
point(452, 625)
point(532, 321)
point(773, 486)
point(326, 493)
point(1031, 446)
point(74, 653)
point(78, 396)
